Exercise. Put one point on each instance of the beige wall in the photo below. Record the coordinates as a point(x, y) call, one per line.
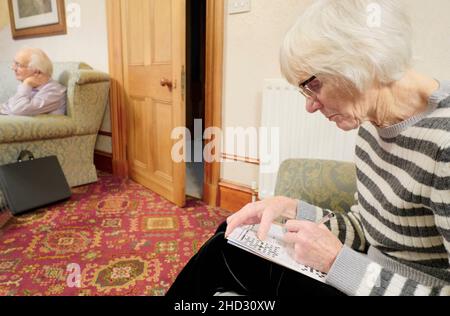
point(432, 36)
point(252, 43)
point(88, 43)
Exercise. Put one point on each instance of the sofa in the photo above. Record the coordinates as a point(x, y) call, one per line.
point(72, 137)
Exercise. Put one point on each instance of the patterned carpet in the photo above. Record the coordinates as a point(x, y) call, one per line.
point(112, 238)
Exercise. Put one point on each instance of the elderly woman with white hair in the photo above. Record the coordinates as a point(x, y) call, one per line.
point(396, 239)
point(38, 93)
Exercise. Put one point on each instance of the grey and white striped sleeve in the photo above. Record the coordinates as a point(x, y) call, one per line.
point(355, 274)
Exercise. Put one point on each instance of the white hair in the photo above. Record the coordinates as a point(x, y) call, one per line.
point(337, 39)
point(39, 61)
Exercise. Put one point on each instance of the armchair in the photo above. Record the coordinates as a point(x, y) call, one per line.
point(72, 137)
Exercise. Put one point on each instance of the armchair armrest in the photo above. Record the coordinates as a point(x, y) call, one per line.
point(326, 184)
point(87, 97)
point(82, 77)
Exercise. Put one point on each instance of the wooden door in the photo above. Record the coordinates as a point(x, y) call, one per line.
point(153, 36)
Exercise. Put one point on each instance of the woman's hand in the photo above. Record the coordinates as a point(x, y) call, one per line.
point(314, 245)
point(263, 213)
point(36, 80)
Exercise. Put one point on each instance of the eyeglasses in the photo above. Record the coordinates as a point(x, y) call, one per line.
point(16, 65)
point(311, 87)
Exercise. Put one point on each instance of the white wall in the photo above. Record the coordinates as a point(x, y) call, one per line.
point(87, 43)
point(252, 42)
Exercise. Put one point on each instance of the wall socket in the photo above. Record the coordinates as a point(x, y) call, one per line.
point(239, 6)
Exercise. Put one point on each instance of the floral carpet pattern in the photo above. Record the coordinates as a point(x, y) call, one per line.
point(111, 238)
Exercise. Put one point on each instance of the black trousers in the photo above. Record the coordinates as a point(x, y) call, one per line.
point(220, 267)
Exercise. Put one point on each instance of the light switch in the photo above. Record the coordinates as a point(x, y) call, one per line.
point(239, 6)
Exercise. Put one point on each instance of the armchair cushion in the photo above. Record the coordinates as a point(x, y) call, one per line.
point(22, 129)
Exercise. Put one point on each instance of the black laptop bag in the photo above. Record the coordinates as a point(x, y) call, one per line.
point(31, 184)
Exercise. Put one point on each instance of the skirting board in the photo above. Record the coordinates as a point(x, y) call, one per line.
point(233, 197)
point(103, 161)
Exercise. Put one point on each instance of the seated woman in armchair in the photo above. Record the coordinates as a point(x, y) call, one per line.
point(37, 93)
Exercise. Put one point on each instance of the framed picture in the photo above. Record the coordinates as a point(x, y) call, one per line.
point(34, 18)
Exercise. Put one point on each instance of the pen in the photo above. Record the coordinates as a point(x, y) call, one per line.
point(326, 219)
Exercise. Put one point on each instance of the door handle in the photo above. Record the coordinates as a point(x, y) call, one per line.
point(166, 83)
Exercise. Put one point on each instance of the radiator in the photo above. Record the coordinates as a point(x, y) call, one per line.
point(300, 134)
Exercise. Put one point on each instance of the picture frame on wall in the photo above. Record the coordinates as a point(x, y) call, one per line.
point(36, 18)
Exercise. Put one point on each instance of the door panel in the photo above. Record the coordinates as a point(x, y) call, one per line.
point(162, 130)
point(161, 24)
point(154, 49)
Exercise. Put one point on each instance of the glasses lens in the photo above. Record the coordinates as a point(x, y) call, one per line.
point(311, 87)
point(314, 86)
point(306, 93)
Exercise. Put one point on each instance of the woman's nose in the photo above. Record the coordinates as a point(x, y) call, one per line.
point(313, 105)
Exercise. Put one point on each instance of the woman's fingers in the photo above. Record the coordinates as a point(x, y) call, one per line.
point(290, 238)
point(295, 226)
point(266, 221)
point(243, 216)
point(262, 213)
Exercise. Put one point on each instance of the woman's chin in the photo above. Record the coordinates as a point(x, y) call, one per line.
point(347, 126)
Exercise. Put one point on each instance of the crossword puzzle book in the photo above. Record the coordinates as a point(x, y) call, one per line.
point(273, 249)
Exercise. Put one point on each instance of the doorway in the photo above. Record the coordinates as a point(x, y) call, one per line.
point(213, 85)
point(195, 94)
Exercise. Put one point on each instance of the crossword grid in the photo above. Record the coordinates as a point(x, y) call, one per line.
point(273, 249)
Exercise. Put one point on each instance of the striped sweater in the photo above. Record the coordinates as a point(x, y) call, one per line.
point(397, 237)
